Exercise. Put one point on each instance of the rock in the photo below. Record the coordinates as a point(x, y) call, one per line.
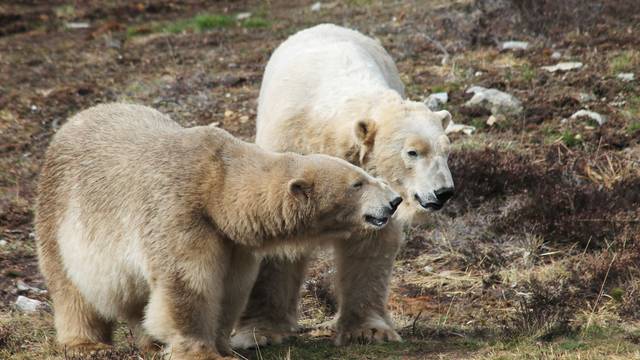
point(585, 97)
point(514, 45)
point(77, 25)
point(22, 286)
point(563, 66)
point(600, 119)
point(478, 73)
point(243, 16)
point(493, 119)
point(456, 128)
point(626, 77)
point(556, 55)
point(316, 6)
point(435, 101)
point(496, 101)
point(3, 242)
point(27, 305)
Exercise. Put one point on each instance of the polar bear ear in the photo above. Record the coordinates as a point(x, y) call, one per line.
point(444, 116)
point(300, 188)
point(365, 131)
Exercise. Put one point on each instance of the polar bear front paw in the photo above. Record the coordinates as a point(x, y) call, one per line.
point(372, 331)
point(248, 339)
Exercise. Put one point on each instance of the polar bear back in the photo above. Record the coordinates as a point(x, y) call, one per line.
point(319, 67)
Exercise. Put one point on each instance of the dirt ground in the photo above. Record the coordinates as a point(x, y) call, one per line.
point(536, 256)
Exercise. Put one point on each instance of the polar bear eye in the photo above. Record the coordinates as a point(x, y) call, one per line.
point(412, 153)
point(357, 185)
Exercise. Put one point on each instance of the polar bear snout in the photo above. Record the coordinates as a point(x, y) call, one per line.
point(436, 199)
point(394, 204)
point(388, 201)
point(444, 194)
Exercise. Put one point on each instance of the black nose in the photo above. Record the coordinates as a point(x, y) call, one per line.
point(444, 194)
point(394, 203)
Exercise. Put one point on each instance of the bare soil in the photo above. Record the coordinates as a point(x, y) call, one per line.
point(542, 238)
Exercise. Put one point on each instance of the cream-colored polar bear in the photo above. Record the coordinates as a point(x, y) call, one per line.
point(141, 220)
point(332, 90)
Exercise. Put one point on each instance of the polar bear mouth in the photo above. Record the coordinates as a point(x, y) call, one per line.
point(376, 221)
point(429, 205)
point(432, 206)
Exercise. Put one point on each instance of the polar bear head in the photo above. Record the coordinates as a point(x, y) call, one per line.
point(405, 143)
point(343, 194)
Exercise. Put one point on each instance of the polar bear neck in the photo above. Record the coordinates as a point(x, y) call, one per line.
point(338, 129)
point(250, 203)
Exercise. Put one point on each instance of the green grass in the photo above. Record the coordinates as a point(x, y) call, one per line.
point(528, 73)
point(570, 139)
point(323, 349)
point(360, 2)
point(479, 123)
point(633, 127)
point(624, 62)
point(256, 22)
point(199, 23)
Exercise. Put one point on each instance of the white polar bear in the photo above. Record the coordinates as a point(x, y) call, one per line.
point(332, 90)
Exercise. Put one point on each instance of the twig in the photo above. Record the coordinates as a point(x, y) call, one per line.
point(415, 321)
point(593, 310)
point(440, 47)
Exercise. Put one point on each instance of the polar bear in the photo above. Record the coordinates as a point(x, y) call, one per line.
point(332, 90)
point(139, 219)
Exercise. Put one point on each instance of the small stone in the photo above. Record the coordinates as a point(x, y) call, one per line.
point(493, 119)
point(435, 101)
point(556, 55)
point(228, 113)
point(243, 16)
point(22, 286)
point(77, 25)
point(456, 128)
point(478, 73)
point(498, 102)
point(33, 108)
point(3, 242)
point(514, 45)
point(113, 43)
point(626, 77)
point(244, 119)
point(564, 66)
point(316, 6)
point(28, 305)
point(585, 97)
point(600, 119)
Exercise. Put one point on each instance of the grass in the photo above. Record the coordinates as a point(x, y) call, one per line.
point(256, 22)
point(633, 127)
point(199, 23)
point(360, 2)
point(625, 61)
point(527, 72)
point(32, 337)
point(570, 139)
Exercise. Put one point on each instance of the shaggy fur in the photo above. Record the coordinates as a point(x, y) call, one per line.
point(332, 90)
point(141, 220)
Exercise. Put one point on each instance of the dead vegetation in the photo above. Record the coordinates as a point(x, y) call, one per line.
point(537, 255)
